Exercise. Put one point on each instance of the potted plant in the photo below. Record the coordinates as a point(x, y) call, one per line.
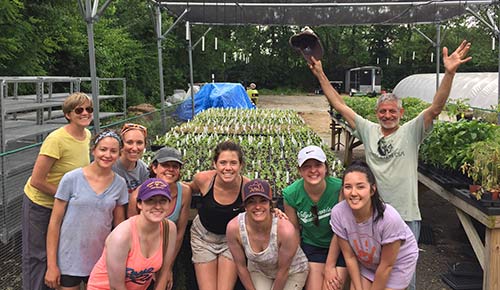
point(485, 169)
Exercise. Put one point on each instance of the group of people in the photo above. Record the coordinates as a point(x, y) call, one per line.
point(117, 223)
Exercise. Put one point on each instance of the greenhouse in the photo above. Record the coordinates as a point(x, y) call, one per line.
point(479, 90)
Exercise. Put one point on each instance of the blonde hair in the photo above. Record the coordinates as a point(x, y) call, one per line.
point(73, 101)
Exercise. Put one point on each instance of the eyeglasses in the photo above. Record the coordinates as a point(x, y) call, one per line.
point(131, 126)
point(79, 110)
point(382, 147)
point(314, 211)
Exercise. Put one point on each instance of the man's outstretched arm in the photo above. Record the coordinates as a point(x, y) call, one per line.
point(451, 64)
point(331, 94)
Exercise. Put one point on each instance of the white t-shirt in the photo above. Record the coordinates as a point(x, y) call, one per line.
point(394, 162)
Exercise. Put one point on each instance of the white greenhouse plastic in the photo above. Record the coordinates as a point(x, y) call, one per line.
point(481, 89)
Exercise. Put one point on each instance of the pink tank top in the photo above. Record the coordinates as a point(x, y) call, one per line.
point(139, 270)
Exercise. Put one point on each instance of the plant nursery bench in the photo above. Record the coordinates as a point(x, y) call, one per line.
point(339, 127)
point(466, 208)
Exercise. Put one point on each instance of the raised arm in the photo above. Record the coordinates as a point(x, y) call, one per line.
point(331, 94)
point(451, 64)
point(387, 259)
point(236, 248)
point(288, 242)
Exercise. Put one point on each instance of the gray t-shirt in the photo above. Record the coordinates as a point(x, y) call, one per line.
point(87, 221)
point(394, 161)
point(135, 177)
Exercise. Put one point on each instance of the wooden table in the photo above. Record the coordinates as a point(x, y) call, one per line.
point(488, 254)
point(339, 127)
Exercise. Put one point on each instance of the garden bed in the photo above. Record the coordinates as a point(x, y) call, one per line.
point(270, 138)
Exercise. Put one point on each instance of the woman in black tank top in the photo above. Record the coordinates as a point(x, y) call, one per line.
point(221, 201)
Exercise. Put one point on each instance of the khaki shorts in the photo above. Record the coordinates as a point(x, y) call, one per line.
point(207, 246)
point(294, 282)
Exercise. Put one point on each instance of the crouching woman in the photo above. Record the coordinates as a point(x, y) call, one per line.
point(135, 249)
point(270, 244)
point(379, 248)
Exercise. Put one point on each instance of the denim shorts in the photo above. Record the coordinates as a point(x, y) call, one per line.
point(318, 255)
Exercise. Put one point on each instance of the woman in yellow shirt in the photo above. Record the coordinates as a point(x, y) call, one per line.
point(63, 150)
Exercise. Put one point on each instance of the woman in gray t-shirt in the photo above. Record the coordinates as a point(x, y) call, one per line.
point(88, 203)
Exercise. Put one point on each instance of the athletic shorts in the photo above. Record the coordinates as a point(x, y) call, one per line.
point(318, 255)
point(72, 281)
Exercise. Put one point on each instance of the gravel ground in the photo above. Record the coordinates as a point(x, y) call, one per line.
point(449, 242)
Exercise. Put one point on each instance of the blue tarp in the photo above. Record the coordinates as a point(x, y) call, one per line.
point(215, 95)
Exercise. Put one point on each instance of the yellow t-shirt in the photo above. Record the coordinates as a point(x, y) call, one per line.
point(69, 154)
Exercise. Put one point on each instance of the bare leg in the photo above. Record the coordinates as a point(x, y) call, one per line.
point(206, 275)
point(226, 274)
point(315, 278)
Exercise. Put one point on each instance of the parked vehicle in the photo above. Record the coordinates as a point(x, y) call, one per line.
point(365, 80)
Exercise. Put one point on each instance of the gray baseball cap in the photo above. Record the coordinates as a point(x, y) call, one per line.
point(168, 154)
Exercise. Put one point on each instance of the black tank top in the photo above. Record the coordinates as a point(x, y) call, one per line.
point(215, 216)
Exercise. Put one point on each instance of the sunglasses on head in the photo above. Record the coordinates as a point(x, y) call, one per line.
point(80, 110)
point(314, 211)
point(131, 126)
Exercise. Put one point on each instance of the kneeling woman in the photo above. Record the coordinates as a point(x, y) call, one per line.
point(270, 244)
point(135, 249)
point(379, 248)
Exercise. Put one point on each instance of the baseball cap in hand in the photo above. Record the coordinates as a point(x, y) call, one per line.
point(311, 152)
point(168, 154)
point(257, 187)
point(153, 187)
point(308, 43)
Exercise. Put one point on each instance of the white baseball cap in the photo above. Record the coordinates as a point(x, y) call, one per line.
point(311, 152)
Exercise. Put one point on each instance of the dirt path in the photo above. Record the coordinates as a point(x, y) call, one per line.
point(449, 243)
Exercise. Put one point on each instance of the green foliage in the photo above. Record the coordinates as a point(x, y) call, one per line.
point(282, 91)
point(50, 38)
point(363, 106)
point(448, 144)
point(413, 107)
point(457, 107)
point(485, 166)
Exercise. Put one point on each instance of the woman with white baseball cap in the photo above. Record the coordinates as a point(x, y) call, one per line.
point(308, 203)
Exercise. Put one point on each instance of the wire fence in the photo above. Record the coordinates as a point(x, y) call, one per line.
point(16, 167)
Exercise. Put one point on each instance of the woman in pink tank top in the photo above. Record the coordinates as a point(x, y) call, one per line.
point(134, 249)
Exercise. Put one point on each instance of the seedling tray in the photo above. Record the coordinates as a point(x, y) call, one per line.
point(488, 207)
point(466, 269)
point(462, 283)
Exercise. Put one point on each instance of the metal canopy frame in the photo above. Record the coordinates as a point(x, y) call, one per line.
point(291, 12)
point(321, 12)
